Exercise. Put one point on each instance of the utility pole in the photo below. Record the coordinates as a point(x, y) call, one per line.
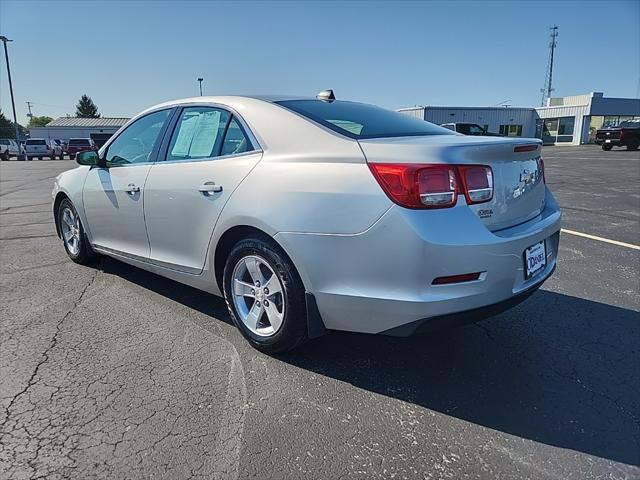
point(30, 115)
point(13, 103)
point(548, 88)
point(200, 79)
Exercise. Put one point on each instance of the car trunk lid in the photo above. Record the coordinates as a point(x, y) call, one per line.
point(519, 190)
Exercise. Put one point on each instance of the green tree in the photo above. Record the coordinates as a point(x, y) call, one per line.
point(39, 121)
point(7, 128)
point(86, 108)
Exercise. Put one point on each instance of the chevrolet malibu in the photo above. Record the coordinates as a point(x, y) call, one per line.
point(316, 214)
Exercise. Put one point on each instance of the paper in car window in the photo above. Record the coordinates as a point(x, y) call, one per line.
point(185, 135)
point(205, 134)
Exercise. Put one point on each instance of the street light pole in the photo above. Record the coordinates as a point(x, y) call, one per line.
point(13, 103)
point(200, 81)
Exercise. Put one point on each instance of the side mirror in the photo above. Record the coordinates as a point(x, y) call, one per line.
point(90, 158)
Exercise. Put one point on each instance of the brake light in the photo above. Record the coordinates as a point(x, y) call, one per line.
point(541, 169)
point(525, 148)
point(421, 186)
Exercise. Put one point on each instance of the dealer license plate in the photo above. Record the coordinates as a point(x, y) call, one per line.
point(535, 259)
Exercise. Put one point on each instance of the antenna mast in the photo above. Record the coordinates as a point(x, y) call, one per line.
point(546, 91)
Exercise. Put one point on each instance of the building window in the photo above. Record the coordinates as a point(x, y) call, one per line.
point(558, 130)
point(565, 129)
point(511, 130)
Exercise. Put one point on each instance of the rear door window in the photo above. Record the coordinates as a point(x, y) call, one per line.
point(198, 134)
point(235, 140)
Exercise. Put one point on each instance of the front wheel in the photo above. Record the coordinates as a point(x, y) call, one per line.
point(73, 236)
point(265, 295)
point(606, 147)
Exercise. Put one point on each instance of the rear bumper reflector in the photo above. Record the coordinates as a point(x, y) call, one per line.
point(466, 277)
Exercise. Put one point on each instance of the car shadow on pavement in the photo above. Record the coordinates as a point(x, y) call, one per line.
point(557, 369)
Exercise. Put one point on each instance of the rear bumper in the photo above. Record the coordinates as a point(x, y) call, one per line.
point(468, 316)
point(608, 141)
point(380, 281)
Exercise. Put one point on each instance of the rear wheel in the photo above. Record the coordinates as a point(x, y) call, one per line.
point(4, 156)
point(73, 235)
point(606, 147)
point(265, 295)
point(632, 146)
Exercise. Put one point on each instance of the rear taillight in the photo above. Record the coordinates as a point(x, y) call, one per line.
point(438, 186)
point(541, 169)
point(421, 186)
point(478, 183)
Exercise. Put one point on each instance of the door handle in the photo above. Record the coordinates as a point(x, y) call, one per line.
point(208, 188)
point(132, 189)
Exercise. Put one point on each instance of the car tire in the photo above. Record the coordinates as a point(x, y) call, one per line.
point(4, 156)
point(281, 320)
point(72, 157)
point(79, 250)
point(606, 147)
point(632, 146)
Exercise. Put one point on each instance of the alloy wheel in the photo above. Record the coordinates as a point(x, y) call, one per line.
point(70, 224)
point(258, 295)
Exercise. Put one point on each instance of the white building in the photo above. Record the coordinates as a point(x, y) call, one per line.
point(564, 120)
point(64, 128)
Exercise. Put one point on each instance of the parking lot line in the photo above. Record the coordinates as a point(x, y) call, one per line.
point(601, 239)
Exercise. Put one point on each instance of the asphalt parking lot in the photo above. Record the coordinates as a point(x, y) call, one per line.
point(111, 372)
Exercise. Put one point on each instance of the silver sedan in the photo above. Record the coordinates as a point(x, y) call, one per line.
point(316, 214)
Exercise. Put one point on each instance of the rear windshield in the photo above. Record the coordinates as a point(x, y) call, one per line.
point(36, 142)
point(360, 120)
point(79, 142)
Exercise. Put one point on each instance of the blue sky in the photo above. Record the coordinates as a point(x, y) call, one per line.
point(128, 55)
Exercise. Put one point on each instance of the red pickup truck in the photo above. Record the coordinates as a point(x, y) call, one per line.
point(77, 145)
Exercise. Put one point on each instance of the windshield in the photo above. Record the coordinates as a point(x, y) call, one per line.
point(360, 120)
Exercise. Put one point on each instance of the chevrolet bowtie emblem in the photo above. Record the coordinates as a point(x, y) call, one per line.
point(527, 177)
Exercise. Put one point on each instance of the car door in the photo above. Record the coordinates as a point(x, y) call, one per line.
point(208, 154)
point(113, 196)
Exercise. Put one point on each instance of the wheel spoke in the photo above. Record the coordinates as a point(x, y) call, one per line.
point(66, 218)
point(68, 235)
point(254, 315)
point(274, 316)
point(273, 285)
point(243, 288)
point(253, 267)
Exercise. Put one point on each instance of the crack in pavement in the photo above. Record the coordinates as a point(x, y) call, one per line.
point(45, 354)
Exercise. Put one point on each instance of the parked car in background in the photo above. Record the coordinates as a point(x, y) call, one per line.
point(77, 145)
point(42, 147)
point(315, 214)
point(627, 134)
point(469, 129)
point(8, 148)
